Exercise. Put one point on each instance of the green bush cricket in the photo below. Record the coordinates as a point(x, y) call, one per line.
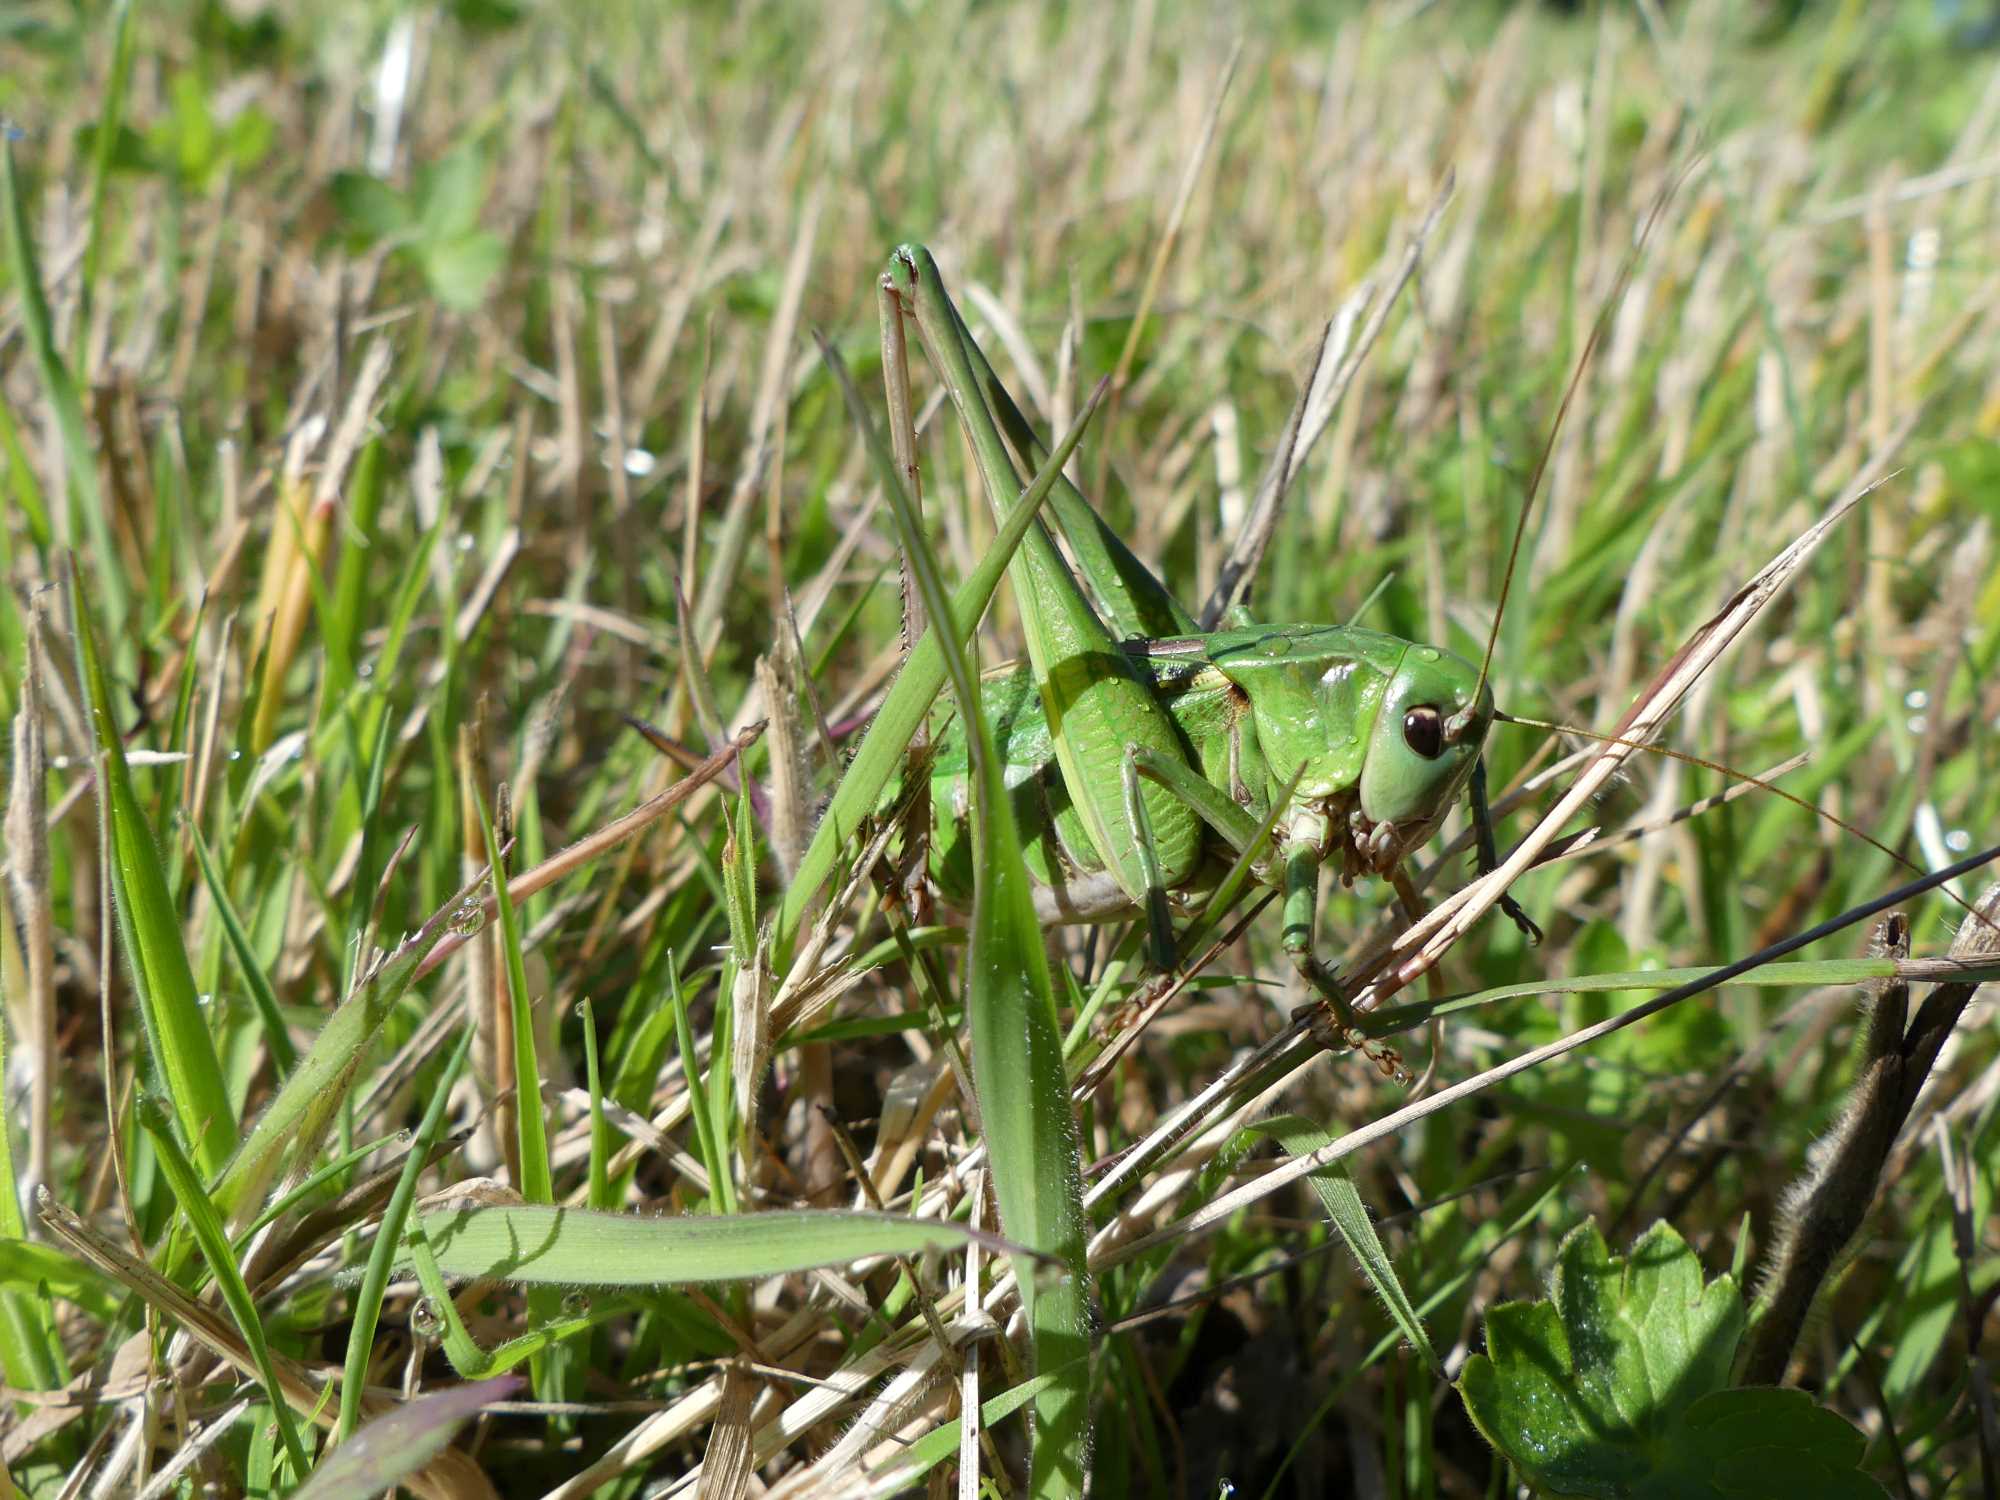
point(1143, 756)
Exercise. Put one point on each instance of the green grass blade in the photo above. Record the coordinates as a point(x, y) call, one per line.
point(1017, 1054)
point(88, 514)
point(375, 1279)
point(177, 1035)
point(545, 1245)
point(1349, 1216)
point(294, 1122)
point(537, 1182)
point(880, 754)
point(284, 1056)
point(215, 1250)
point(721, 1182)
point(600, 1128)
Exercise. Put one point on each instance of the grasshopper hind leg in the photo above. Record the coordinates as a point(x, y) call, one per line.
point(1160, 946)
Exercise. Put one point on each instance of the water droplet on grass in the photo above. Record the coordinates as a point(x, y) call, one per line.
point(426, 1322)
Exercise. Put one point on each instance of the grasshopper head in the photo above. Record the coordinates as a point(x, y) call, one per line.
point(1420, 754)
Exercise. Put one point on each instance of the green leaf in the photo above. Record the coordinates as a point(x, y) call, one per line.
point(373, 210)
point(461, 269)
point(538, 1244)
point(1615, 1388)
point(451, 193)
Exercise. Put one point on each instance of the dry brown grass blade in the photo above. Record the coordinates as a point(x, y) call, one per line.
point(1420, 947)
point(593, 845)
point(450, 1476)
point(1310, 416)
point(31, 1005)
point(725, 1466)
point(1171, 235)
point(1219, 1210)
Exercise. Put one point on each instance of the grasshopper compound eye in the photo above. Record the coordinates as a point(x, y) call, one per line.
point(1423, 732)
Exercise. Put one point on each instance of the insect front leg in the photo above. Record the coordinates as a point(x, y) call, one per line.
point(1489, 856)
point(1302, 859)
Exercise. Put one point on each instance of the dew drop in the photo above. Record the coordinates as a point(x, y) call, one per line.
point(1916, 698)
point(468, 919)
point(463, 543)
point(575, 1305)
point(426, 1322)
point(1958, 840)
point(639, 463)
point(1918, 723)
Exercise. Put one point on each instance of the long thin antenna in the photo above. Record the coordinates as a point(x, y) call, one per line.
point(1756, 781)
point(1597, 328)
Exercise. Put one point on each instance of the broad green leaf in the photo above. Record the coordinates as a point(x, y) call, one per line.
point(537, 1244)
point(1615, 1388)
point(373, 209)
point(461, 269)
point(450, 194)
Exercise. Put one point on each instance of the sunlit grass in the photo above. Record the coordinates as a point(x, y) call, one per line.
point(411, 395)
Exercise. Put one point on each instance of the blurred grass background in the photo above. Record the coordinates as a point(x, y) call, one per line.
point(417, 355)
